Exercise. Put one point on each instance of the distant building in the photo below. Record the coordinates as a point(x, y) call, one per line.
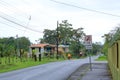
point(42, 48)
point(47, 48)
point(64, 48)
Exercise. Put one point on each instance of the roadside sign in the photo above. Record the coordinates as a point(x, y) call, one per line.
point(88, 45)
point(88, 41)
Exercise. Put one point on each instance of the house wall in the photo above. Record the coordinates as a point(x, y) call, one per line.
point(42, 49)
point(37, 51)
point(64, 48)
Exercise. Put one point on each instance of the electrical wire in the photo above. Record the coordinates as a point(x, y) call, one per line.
point(15, 20)
point(27, 25)
point(11, 26)
point(10, 17)
point(71, 5)
point(12, 8)
point(12, 21)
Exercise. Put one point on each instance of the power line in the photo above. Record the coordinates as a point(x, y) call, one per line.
point(10, 17)
point(13, 19)
point(71, 5)
point(12, 8)
point(11, 26)
point(19, 24)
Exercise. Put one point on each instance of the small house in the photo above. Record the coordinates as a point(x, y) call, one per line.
point(42, 48)
point(64, 48)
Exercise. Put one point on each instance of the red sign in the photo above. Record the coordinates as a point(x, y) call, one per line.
point(88, 41)
point(88, 38)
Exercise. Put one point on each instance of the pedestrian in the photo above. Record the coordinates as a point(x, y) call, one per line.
point(69, 56)
point(80, 53)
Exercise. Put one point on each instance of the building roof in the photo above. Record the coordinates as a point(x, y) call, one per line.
point(42, 45)
point(65, 46)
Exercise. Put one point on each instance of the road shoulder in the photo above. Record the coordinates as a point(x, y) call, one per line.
point(100, 71)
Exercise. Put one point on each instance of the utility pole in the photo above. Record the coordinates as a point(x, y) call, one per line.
point(57, 41)
point(18, 52)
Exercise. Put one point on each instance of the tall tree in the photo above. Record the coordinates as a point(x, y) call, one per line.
point(107, 38)
point(24, 43)
point(96, 47)
point(77, 40)
point(49, 36)
point(67, 36)
point(65, 32)
point(111, 38)
point(8, 46)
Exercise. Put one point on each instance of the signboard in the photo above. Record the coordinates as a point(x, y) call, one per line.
point(88, 41)
point(88, 45)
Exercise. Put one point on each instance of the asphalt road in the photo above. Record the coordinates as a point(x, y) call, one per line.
point(51, 71)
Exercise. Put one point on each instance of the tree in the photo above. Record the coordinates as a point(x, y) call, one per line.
point(96, 47)
point(8, 46)
point(111, 38)
point(67, 36)
point(107, 38)
point(77, 40)
point(49, 36)
point(24, 43)
point(65, 31)
point(41, 40)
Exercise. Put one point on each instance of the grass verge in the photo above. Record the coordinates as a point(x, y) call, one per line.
point(20, 65)
point(102, 58)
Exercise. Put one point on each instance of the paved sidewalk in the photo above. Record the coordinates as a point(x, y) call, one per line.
point(100, 71)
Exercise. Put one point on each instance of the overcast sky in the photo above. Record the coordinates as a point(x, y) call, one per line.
point(44, 14)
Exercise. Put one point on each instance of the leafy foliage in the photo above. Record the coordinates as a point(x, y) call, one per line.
point(49, 36)
point(115, 36)
point(111, 38)
point(67, 36)
point(8, 46)
point(65, 32)
point(97, 47)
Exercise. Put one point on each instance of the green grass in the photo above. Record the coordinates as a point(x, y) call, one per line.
point(102, 58)
point(20, 65)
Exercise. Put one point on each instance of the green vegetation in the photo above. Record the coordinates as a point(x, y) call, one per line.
point(9, 48)
point(25, 64)
point(14, 51)
point(111, 38)
point(67, 35)
point(102, 58)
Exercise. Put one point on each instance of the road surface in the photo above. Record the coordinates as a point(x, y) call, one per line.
point(51, 71)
